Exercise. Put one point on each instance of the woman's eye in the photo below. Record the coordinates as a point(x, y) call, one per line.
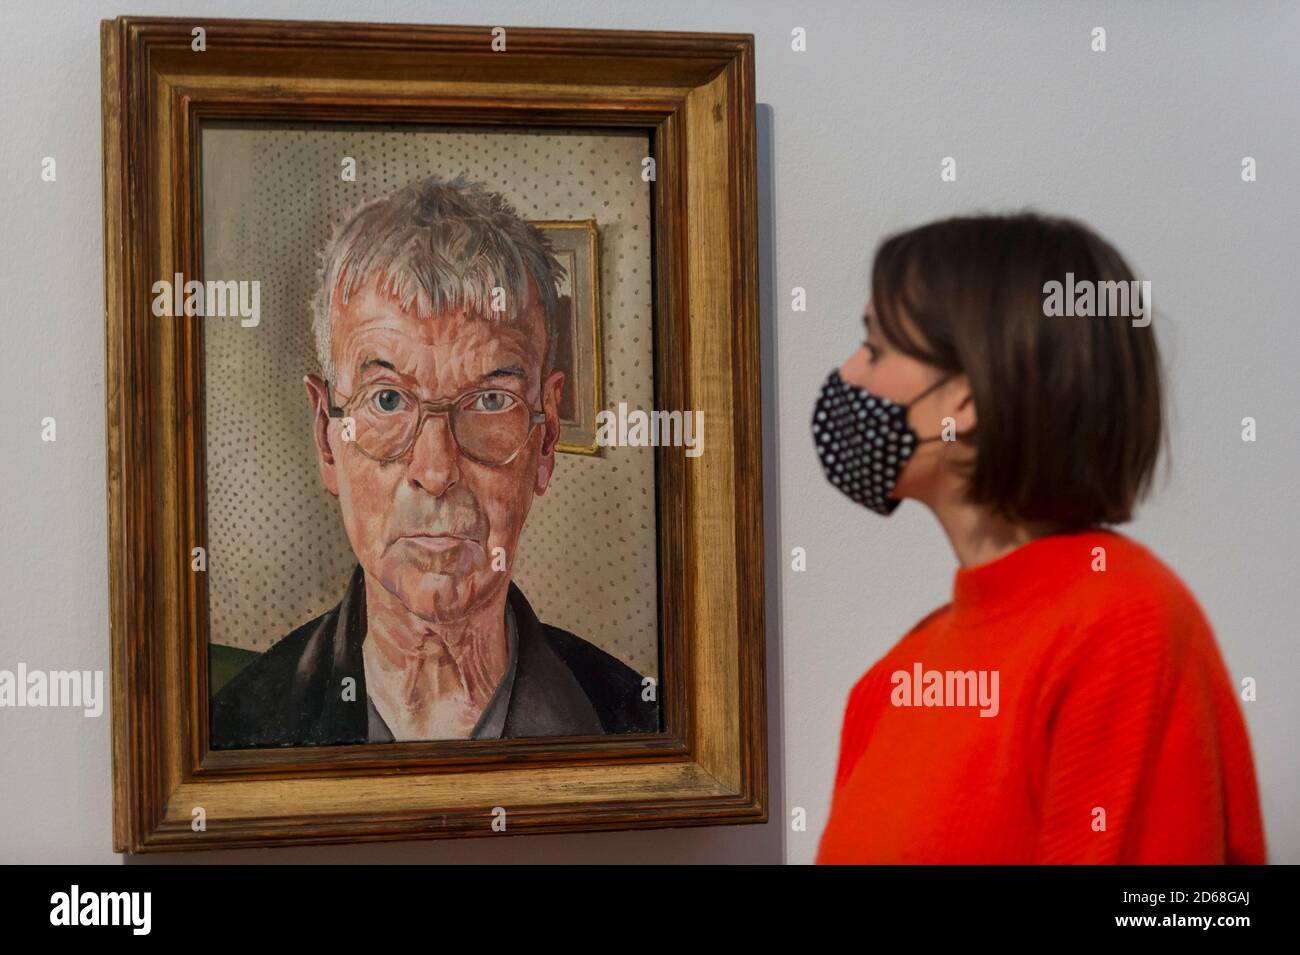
point(873, 353)
point(492, 401)
point(388, 400)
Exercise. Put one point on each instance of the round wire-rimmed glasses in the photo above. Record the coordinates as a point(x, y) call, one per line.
point(489, 425)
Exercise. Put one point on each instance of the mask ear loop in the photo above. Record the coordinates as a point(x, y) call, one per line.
point(932, 387)
point(941, 381)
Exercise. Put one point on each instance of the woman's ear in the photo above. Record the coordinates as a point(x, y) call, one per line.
point(318, 398)
point(963, 404)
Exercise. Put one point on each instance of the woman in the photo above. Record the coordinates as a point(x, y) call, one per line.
point(1069, 705)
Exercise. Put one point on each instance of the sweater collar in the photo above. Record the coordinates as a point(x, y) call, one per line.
point(1023, 577)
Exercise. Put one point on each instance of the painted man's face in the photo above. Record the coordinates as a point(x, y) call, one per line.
point(427, 526)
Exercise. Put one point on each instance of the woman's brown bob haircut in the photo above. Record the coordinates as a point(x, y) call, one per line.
point(1070, 412)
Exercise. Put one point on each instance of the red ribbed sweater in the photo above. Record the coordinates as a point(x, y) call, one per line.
point(1116, 736)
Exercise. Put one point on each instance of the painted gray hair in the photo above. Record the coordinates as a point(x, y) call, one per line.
point(438, 245)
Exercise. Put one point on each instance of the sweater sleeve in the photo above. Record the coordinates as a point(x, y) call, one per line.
point(851, 742)
point(866, 700)
point(859, 718)
point(1132, 763)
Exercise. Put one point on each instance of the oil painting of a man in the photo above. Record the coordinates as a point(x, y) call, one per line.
point(435, 419)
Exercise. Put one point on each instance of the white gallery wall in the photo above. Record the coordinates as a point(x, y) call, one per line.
point(1144, 142)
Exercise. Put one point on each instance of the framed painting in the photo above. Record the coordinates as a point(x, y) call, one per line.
point(412, 337)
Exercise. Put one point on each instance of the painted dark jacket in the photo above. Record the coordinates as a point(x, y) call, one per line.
point(556, 684)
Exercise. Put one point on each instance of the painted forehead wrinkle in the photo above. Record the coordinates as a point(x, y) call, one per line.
point(479, 361)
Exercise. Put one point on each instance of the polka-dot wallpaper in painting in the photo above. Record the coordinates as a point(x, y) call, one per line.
point(278, 554)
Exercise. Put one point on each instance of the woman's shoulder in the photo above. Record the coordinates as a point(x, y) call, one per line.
point(1129, 608)
point(905, 647)
point(1126, 577)
point(931, 618)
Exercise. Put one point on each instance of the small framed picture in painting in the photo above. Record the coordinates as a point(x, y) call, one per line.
point(578, 332)
point(413, 333)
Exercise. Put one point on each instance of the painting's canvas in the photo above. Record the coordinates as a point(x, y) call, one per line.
point(415, 531)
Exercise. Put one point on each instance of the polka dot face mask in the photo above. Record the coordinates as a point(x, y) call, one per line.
point(863, 441)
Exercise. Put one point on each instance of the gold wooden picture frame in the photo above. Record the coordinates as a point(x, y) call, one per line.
point(694, 95)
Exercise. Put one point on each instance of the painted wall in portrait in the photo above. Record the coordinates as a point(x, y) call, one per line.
point(278, 554)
